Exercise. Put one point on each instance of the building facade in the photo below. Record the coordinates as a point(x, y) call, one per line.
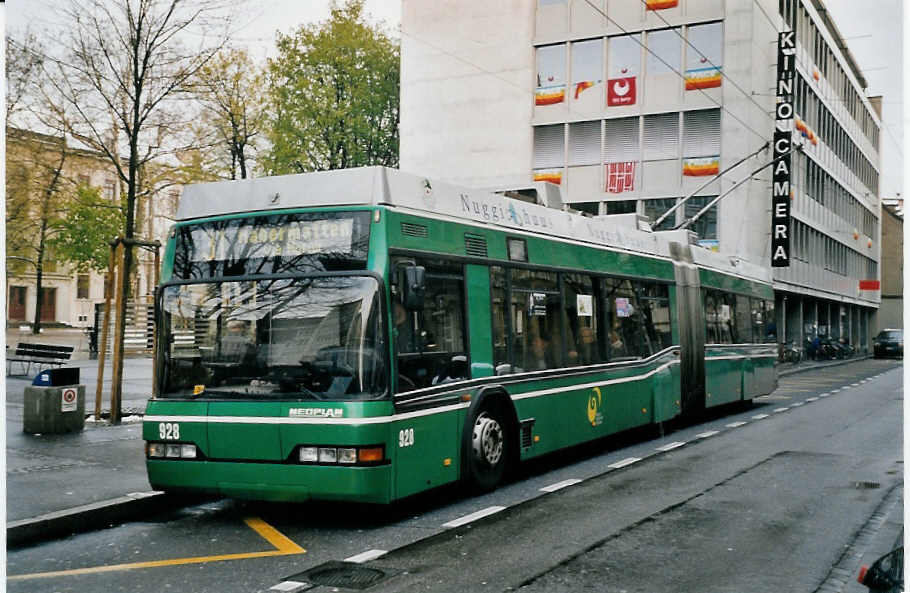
point(69, 295)
point(633, 105)
point(891, 312)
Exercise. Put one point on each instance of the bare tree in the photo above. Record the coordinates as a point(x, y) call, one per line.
point(122, 68)
point(36, 162)
point(24, 60)
point(230, 90)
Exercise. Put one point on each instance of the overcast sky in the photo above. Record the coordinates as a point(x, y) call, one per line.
point(873, 30)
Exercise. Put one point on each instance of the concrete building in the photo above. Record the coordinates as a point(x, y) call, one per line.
point(69, 295)
point(891, 312)
point(631, 105)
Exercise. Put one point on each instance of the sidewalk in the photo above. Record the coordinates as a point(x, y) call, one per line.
point(57, 484)
point(59, 474)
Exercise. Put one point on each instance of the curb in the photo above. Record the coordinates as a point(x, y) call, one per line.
point(88, 517)
point(833, 363)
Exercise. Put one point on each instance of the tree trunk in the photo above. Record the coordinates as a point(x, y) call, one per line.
point(39, 277)
point(46, 213)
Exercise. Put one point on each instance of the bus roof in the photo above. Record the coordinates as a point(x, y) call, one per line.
point(382, 186)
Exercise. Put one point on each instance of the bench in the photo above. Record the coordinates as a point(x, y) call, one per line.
point(41, 355)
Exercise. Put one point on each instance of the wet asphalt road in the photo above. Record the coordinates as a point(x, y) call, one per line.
point(771, 498)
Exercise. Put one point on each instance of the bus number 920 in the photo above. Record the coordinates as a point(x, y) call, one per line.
point(169, 431)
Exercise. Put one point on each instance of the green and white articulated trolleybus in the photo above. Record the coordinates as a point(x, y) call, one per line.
point(366, 334)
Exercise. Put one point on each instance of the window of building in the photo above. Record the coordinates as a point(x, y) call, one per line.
point(708, 43)
point(706, 226)
point(84, 180)
point(110, 189)
point(621, 206)
point(584, 143)
point(429, 342)
point(654, 209)
point(592, 208)
point(587, 62)
point(625, 56)
point(549, 146)
point(621, 140)
point(660, 138)
point(82, 284)
point(551, 65)
point(664, 51)
point(701, 133)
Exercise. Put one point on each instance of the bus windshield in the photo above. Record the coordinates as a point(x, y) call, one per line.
point(288, 338)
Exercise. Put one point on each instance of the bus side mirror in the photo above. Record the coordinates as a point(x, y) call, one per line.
point(414, 285)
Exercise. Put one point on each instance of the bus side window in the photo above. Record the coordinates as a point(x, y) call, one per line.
point(770, 324)
point(712, 330)
point(654, 303)
point(757, 316)
point(535, 318)
point(743, 321)
point(582, 321)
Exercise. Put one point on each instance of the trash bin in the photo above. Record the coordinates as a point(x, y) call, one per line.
point(55, 403)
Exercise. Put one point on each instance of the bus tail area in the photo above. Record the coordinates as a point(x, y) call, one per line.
point(372, 334)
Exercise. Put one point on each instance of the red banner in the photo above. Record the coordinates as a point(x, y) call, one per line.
point(620, 177)
point(621, 91)
point(870, 285)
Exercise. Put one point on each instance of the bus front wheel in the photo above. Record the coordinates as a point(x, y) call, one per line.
point(489, 452)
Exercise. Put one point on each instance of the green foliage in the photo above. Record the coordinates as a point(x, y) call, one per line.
point(85, 234)
point(333, 90)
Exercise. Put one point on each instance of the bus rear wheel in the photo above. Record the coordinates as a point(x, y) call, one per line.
point(489, 451)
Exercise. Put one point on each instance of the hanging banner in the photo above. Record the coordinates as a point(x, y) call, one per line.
point(701, 167)
point(550, 95)
point(582, 86)
point(621, 91)
point(620, 177)
point(781, 145)
point(550, 175)
point(703, 78)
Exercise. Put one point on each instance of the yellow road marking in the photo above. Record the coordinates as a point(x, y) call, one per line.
point(284, 547)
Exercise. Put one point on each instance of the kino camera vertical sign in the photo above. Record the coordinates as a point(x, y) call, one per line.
point(783, 124)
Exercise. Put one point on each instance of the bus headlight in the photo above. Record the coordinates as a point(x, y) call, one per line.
point(328, 454)
point(172, 450)
point(308, 455)
point(347, 455)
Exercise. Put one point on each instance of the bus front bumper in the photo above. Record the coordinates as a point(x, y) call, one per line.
point(272, 481)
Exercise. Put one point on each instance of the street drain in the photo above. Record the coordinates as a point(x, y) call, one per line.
point(346, 575)
point(866, 485)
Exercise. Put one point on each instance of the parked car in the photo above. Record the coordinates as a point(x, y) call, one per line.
point(886, 575)
point(889, 342)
